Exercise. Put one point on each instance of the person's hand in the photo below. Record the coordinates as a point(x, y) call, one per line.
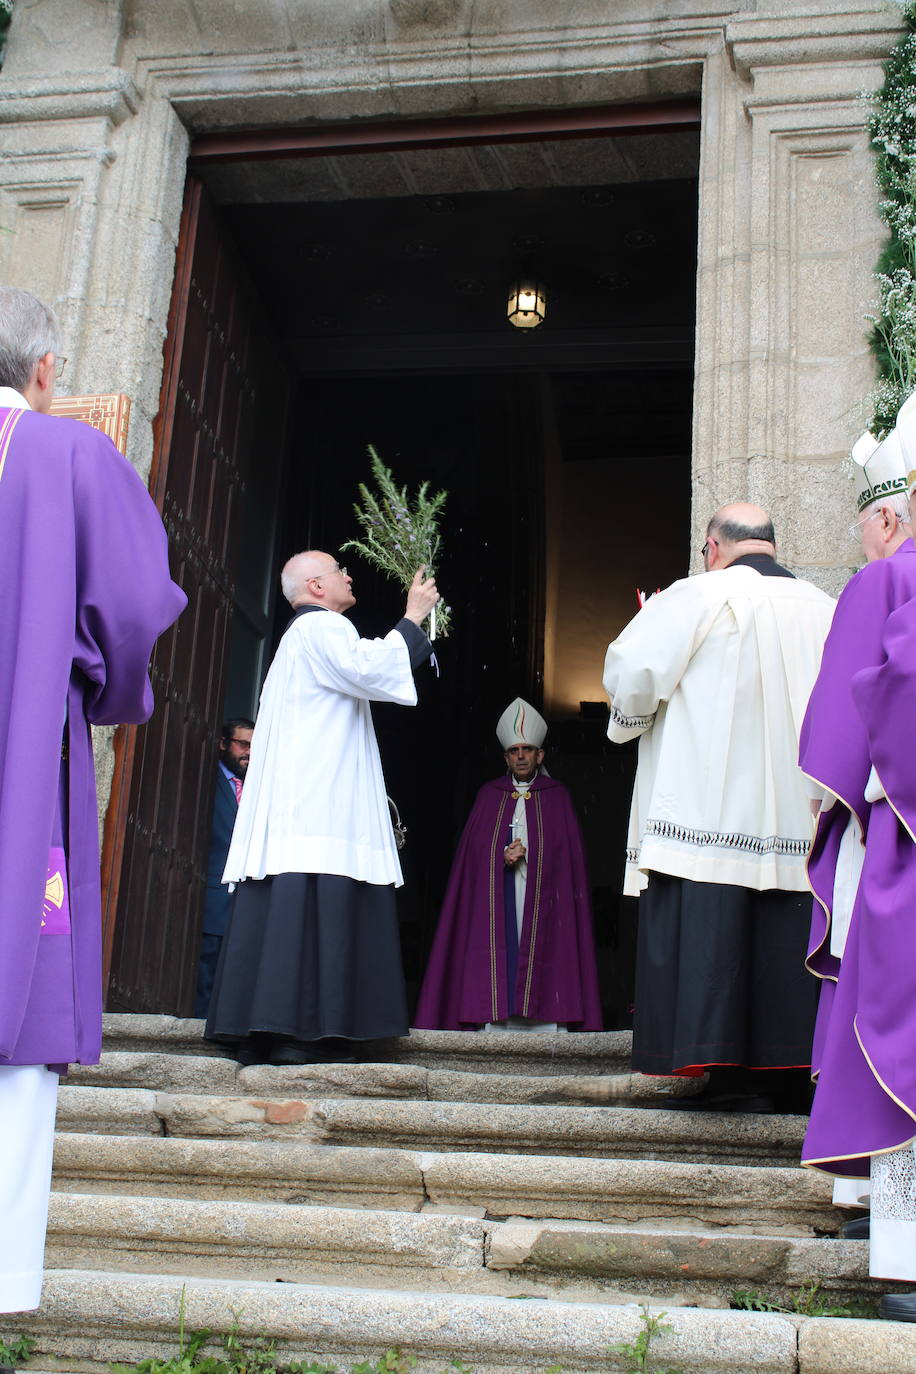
point(514, 853)
point(421, 597)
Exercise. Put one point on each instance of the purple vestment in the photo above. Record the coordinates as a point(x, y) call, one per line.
point(86, 585)
point(865, 1101)
point(833, 745)
point(469, 981)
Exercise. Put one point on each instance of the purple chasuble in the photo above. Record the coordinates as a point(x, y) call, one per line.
point(833, 744)
point(87, 590)
point(865, 1101)
point(556, 978)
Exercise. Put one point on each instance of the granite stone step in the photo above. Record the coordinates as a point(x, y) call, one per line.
point(276, 1243)
point(443, 1251)
point(778, 1200)
point(600, 1132)
point(599, 1053)
point(90, 1318)
point(210, 1074)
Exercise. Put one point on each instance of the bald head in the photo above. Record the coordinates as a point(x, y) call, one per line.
point(313, 578)
point(736, 530)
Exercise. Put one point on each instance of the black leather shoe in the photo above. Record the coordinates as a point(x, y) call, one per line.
point(313, 1052)
point(898, 1307)
point(859, 1228)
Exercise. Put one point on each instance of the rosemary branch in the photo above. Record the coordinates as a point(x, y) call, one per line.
point(400, 536)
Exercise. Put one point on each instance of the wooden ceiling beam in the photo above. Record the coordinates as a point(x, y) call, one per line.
point(337, 140)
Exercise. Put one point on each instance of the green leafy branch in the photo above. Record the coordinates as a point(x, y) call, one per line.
point(399, 535)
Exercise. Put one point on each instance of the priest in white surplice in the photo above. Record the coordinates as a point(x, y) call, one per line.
point(311, 958)
point(713, 676)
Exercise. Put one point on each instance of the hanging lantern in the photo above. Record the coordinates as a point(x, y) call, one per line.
point(527, 305)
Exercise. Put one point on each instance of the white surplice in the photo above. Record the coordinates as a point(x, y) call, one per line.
point(713, 675)
point(314, 798)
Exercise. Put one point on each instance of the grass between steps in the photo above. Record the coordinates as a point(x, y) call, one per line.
point(260, 1357)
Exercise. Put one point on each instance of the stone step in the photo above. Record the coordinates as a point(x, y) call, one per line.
point(600, 1132)
point(199, 1073)
point(783, 1200)
point(580, 1261)
point(498, 1052)
point(90, 1318)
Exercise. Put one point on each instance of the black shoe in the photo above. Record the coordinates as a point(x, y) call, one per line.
point(898, 1307)
point(327, 1051)
point(859, 1228)
point(252, 1050)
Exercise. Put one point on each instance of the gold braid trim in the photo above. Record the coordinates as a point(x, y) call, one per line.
point(494, 844)
point(536, 904)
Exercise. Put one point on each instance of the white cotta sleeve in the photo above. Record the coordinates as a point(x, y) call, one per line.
point(369, 669)
point(647, 660)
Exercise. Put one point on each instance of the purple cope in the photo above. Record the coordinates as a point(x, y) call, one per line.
point(865, 1100)
point(467, 982)
point(84, 561)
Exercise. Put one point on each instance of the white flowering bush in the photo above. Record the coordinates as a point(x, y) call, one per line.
point(892, 126)
point(399, 535)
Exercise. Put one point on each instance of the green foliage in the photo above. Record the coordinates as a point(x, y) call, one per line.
point(809, 1301)
point(637, 1352)
point(892, 126)
point(6, 14)
point(399, 537)
point(16, 1353)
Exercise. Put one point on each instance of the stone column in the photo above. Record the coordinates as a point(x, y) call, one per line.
point(91, 181)
point(789, 237)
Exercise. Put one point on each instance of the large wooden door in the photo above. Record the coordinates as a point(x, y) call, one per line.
point(220, 394)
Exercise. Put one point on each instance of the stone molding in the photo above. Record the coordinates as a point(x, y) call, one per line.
point(107, 94)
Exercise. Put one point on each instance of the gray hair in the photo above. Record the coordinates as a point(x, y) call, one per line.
point(898, 503)
point(289, 585)
point(28, 330)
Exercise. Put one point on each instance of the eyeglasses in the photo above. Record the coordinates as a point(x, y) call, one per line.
point(245, 743)
point(59, 365)
point(316, 577)
point(705, 549)
point(855, 529)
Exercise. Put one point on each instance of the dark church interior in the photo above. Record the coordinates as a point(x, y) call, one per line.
point(565, 449)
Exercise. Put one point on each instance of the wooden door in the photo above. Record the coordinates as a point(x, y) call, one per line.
point(220, 395)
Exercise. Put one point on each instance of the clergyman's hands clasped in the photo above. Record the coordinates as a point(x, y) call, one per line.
point(421, 597)
point(514, 853)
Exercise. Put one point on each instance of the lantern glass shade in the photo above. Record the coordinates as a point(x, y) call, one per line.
point(527, 305)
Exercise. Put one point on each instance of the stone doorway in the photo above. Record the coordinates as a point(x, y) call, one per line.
point(383, 277)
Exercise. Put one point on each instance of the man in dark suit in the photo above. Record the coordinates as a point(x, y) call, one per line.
point(231, 767)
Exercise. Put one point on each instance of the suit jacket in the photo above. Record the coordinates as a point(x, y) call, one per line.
point(216, 898)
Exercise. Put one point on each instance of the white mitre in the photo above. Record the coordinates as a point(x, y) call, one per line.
point(879, 468)
point(520, 723)
point(905, 430)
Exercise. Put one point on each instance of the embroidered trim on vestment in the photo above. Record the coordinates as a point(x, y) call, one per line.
point(494, 991)
point(631, 722)
point(6, 433)
point(536, 904)
point(748, 844)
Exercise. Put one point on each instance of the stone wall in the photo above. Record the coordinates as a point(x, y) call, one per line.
point(98, 99)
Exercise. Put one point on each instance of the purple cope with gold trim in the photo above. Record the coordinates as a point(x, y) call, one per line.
point(467, 982)
point(84, 566)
